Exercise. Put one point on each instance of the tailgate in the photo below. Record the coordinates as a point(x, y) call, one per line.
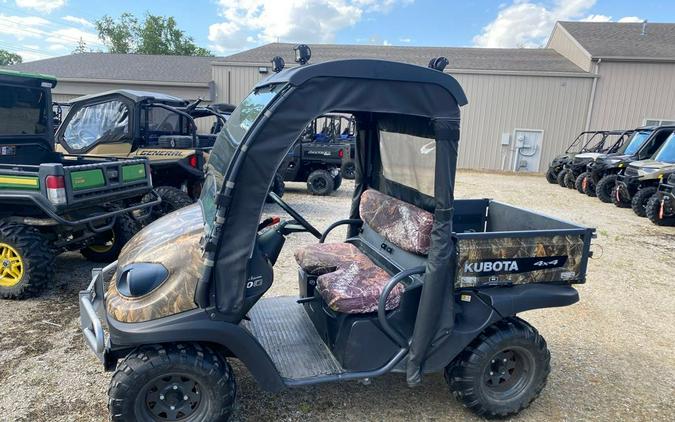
point(326, 152)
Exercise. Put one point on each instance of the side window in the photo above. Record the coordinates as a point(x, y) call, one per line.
point(409, 160)
point(97, 123)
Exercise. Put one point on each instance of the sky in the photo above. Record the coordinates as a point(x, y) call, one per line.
point(38, 29)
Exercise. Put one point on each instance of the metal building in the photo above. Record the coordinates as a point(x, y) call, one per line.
point(525, 105)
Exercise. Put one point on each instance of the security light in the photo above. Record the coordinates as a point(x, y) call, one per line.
point(302, 54)
point(278, 64)
point(263, 69)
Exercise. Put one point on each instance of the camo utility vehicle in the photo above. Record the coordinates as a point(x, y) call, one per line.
point(605, 167)
point(138, 124)
point(639, 182)
point(51, 202)
point(661, 207)
point(587, 141)
point(576, 169)
point(423, 283)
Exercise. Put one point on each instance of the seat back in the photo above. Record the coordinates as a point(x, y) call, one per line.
point(404, 225)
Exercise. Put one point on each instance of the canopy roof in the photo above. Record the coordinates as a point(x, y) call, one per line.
point(135, 96)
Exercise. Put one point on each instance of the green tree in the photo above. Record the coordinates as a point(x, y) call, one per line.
point(153, 35)
point(8, 58)
point(81, 47)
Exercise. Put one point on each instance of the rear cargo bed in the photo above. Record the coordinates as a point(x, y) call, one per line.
point(500, 244)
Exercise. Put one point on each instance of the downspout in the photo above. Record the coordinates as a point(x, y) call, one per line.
point(591, 100)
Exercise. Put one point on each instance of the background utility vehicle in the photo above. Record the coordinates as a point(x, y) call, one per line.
point(138, 124)
point(337, 129)
point(576, 169)
point(623, 197)
point(587, 141)
point(600, 176)
point(414, 289)
point(639, 182)
point(50, 202)
point(661, 207)
point(318, 155)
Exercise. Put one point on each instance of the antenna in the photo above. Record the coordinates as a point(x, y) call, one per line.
point(644, 27)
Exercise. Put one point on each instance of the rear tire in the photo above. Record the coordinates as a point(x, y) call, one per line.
point(551, 177)
point(107, 246)
point(653, 210)
point(561, 178)
point(569, 180)
point(605, 187)
point(579, 183)
point(172, 199)
point(502, 371)
point(640, 200)
point(26, 261)
point(348, 170)
point(320, 182)
point(192, 378)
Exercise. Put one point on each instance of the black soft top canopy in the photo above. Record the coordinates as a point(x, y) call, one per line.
point(135, 96)
point(384, 98)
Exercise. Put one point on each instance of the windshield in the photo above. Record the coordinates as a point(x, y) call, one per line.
point(229, 138)
point(22, 111)
point(595, 143)
point(636, 142)
point(666, 153)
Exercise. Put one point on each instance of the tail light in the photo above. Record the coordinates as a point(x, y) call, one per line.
point(341, 153)
point(192, 160)
point(56, 189)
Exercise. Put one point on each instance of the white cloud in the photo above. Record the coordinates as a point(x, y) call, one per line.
point(21, 27)
point(525, 23)
point(386, 43)
point(78, 21)
point(29, 55)
point(247, 22)
point(46, 6)
point(405, 40)
point(70, 36)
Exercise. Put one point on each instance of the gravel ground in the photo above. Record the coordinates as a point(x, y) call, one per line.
point(612, 353)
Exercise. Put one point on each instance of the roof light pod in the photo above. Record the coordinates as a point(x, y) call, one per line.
point(302, 54)
point(438, 63)
point(278, 64)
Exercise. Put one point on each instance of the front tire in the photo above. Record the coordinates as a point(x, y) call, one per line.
point(653, 210)
point(561, 178)
point(589, 186)
point(620, 200)
point(569, 180)
point(320, 182)
point(186, 382)
point(579, 183)
point(108, 245)
point(604, 188)
point(640, 200)
point(26, 261)
point(502, 371)
point(551, 177)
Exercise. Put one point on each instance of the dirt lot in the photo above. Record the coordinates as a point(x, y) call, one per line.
point(612, 353)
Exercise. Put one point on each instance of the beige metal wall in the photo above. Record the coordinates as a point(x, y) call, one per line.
point(563, 43)
point(234, 82)
point(629, 92)
point(500, 104)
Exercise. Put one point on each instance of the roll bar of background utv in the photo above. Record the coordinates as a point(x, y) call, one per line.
point(193, 125)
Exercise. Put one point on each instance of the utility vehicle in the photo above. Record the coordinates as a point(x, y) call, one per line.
point(337, 129)
point(587, 141)
point(639, 182)
point(319, 155)
point(661, 207)
point(51, 202)
point(605, 167)
point(424, 283)
point(139, 124)
point(613, 141)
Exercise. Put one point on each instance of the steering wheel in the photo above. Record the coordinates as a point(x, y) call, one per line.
point(296, 215)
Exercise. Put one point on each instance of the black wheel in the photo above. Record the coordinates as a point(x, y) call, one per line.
point(580, 182)
point(551, 177)
point(348, 170)
point(502, 371)
point(337, 181)
point(561, 178)
point(26, 261)
point(278, 187)
point(640, 199)
point(106, 246)
point(177, 382)
point(320, 182)
point(604, 188)
point(172, 199)
point(569, 179)
point(656, 215)
point(589, 186)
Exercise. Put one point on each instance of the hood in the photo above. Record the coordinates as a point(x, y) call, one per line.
point(172, 241)
point(589, 156)
point(652, 164)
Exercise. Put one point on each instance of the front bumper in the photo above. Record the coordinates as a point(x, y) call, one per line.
point(93, 313)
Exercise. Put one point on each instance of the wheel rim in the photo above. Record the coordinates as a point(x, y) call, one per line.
point(104, 247)
point(11, 266)
point(350, 169)
point(172, 397)
point(319, 183)
point(509, 374)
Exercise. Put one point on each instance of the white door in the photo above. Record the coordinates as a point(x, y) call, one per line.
point(527, 149)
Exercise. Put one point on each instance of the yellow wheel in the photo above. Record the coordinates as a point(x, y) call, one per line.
point(26, 261)
point(106, 246)
point(11, 266)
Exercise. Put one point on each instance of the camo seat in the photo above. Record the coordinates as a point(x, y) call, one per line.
point(347, 279)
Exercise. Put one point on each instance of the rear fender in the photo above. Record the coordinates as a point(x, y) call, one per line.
point(509, 301)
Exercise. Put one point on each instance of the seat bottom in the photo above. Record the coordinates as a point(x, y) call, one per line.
point(285, 331)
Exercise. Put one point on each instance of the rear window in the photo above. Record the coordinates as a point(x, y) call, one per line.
point(22, 111)
point(409, 160)
point(97, 123)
